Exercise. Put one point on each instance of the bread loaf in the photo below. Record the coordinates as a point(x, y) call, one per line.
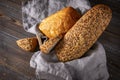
point(59, 23)
point(84, 33)
point(27, 44)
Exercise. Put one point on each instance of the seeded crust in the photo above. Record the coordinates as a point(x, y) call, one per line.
point(59, 23)
point(47, 46)
point(27, 44)
point(84, 33)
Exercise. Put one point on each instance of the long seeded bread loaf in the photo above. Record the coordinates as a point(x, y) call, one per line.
point(59, 23)
point(84, 33)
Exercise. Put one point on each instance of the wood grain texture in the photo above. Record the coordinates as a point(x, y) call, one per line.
point(7, 74)
point(14, 62)
point(11, 9)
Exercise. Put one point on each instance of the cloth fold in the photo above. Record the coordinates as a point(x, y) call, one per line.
point(92, 66)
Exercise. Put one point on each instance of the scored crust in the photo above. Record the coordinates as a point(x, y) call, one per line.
point(84, 33)
point(27, 44)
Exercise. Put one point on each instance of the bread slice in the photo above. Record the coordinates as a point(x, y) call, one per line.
point(59, 23)
point(27, 44)
point(84, 33)
point(47, 46)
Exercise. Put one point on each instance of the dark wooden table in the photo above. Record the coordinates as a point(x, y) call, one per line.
point(14, 62)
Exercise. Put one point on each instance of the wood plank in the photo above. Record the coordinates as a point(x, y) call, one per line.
point(11, 9)
point(12, 56)
point(114, 4)
point(114, 74)
point(114, 24)
point(7, 24)
point(112, 47)
point(12, 33)
point(16, 64)
point(113, 60)
point(8, 44)
point(16, 61)
point(110, 41)
point(7, 74)
point(15, 58)
point(19, 2)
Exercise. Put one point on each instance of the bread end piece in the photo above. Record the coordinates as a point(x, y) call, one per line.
point(27, 44)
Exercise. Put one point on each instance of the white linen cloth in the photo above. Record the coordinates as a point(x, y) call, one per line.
point(92, 66)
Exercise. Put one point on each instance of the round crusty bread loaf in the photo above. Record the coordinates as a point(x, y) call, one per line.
point(84, 33)
point(59, 23)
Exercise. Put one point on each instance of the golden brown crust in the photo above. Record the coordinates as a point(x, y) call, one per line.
point(60, 22)
point(84, 33)
point(47, 46)
point(27, 44)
